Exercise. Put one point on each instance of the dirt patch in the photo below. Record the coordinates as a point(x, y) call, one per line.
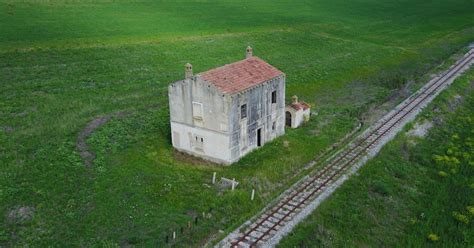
point(405, 151)
point(454, 102)
point(7, 129)
point(192, 213)
point(420, 129)
point(190, 159)
point(321, 124)
point(406, 91)
point(25, 113)
point(81, 145)
point(21, 215)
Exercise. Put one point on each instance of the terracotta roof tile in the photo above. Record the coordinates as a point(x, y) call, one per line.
point(300, 105)
point(241, 75)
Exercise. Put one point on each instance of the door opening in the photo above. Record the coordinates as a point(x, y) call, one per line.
point(288, 118)
point(259, 137)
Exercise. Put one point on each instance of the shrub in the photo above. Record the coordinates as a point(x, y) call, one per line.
point(470, 209)
point(433, 237)
point(442, 174)
point(460, 217)
point(382, 188)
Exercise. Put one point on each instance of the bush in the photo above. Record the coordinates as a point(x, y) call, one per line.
point(442, 174)
point(461, 217)
point(382, 188)
point(433, 237)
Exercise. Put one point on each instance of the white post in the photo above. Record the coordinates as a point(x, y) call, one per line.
point(214, 178)
point(174, 235)
point(253, 194)
point(233, 183)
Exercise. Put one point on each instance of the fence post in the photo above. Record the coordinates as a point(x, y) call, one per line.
point(214, 178)
point(253, 195)
point(233, 183)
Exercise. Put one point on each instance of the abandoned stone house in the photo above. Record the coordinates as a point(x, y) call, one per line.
point(226, 112)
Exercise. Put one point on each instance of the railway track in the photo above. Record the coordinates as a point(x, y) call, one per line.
point(265, 229)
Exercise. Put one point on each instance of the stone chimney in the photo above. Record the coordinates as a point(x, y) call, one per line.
point(188, 70)
point(249, 52)
point(294, 99)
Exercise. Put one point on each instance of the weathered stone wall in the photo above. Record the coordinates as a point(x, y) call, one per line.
point(261, 113)
point(213, 128)
point(215, 146)
point(215, 107)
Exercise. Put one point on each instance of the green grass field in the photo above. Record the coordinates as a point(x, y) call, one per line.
point(64, 63)
point(418, 192)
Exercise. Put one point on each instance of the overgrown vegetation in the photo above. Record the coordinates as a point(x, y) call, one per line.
point(417, 192)
point(64, 63)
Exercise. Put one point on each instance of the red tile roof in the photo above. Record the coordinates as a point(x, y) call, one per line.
point(241, 75)
point(300, 105)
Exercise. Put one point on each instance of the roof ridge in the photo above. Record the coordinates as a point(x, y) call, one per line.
point(235, 62)
point(241, 75)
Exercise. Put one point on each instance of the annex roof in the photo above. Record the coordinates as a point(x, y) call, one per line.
point(299, 105)
point(241, 75)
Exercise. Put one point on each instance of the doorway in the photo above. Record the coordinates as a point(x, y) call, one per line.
point(259, 137)
point(288, 118)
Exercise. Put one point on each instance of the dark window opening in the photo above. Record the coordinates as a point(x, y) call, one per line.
point(274, 126)
point(274, 96)
point(243, 111)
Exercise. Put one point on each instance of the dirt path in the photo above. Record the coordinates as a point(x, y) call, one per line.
point(81, 144)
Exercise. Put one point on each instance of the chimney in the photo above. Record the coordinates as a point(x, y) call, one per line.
point(249, 52)
point(188, 70)
point(294, 99)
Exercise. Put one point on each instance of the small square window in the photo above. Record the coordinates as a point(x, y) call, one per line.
point(243, 111)
point(274, 96)
point(199, 143)
point(197, 110)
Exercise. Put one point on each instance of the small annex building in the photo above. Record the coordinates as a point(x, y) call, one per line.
point(224, 113)
point(297, 112)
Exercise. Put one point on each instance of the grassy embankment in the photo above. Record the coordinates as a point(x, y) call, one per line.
point(63, 64)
